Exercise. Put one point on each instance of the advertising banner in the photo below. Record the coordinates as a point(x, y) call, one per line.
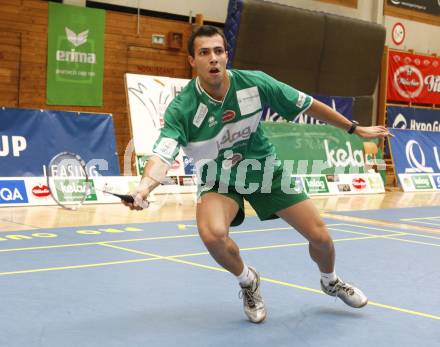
point(413, 78)
point(415, 151)
point(30, 138)
point(33, 191)
point(75, 55)
point(343, 105)
point(314, 149)
point(416, 157)
point(425, 6)
point(413, 118)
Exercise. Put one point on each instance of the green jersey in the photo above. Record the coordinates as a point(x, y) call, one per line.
point(226, 132)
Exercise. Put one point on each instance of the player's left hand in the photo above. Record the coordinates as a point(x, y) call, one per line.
point(372, 132)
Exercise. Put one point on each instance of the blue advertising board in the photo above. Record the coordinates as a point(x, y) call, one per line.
point(413, 118)
point(13, 192)
point(415, 151)
point(30, 138)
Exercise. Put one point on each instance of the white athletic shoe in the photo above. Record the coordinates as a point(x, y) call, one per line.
point(349, 294)
point(253, 303)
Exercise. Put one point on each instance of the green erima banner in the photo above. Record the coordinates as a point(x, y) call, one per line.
point(318, 149)
point(75, 55)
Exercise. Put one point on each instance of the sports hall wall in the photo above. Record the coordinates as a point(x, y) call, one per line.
point(23, 59)
point(129, 48)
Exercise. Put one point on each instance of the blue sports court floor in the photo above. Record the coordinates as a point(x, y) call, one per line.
point(154, 284)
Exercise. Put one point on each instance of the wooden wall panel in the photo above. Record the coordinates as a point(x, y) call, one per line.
point(128, 48)
point(10, 47)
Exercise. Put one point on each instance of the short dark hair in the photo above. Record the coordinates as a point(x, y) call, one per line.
point(205, 30)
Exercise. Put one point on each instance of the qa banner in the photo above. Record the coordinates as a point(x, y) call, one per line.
point(413, 78)
point(413, 118)
point(75, 55)
point(30, 138)
point(415, 151)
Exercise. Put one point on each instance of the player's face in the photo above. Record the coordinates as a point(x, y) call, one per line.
point(210, 58)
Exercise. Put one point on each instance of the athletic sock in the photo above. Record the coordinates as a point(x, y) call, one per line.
point(328, 278)
point(246, 277)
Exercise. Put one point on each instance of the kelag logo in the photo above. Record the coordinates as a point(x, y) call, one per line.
point(13, 192)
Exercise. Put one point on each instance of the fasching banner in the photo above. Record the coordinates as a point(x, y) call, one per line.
point(413, 118)
point(413, 78)
point(75, 55)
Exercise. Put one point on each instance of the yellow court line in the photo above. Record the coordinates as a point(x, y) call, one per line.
point(412, 241)
point(287, 284)
point(427, 223)
point(132, 240)
point(78, 266)
point(399, 225)
point(412, 219)
point(393, 231)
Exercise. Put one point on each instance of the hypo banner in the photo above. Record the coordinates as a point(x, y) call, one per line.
point(415, 151)
point(343, 105)
point(413, 118)
point(75, 55)
point(413, 78)
point(30, 138)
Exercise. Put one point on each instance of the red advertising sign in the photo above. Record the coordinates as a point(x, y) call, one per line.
point(413, 78)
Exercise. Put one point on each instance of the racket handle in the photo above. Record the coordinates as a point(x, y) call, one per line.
point(125, 197)
point(130, 199)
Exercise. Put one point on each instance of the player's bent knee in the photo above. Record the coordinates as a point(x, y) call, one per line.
point(321, 238)
point(212, 235)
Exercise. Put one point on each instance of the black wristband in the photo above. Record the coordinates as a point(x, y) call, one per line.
point(353, 127)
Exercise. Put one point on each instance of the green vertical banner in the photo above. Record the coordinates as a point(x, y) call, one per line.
point(75, 55)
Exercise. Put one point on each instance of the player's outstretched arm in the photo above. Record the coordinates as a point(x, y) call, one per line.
point(327, 114)
point(155, 171)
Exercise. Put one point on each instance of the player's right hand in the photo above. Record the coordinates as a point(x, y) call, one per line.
point(140, 200)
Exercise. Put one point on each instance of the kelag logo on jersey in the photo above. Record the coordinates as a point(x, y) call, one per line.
point(13, 192)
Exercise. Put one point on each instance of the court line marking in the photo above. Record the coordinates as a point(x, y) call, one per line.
point(393, 308)
point(134, 240)
point(58, 268)
point(362, 220)
point(415, 218)
point(143, 239)
point(427, 223)
point(392, 231)
point(232, 232)
point(174, 256)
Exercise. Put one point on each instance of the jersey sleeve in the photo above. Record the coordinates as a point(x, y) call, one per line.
point(172, 135)
point(287, 101)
